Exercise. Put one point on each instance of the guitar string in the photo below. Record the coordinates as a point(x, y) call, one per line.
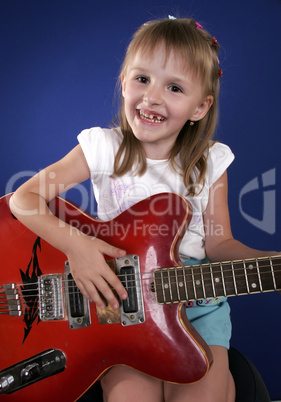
point(202, 270)
point(170, 278)
point(201, 273)
point(170, 283)
point(167, 299)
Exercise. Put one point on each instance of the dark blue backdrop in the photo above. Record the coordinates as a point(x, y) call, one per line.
point(58, 68)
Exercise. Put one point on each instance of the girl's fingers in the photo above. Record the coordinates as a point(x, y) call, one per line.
point(91, 293)
point(109, 250)
point(109, 276)
point(103, 284)
point(93, 275)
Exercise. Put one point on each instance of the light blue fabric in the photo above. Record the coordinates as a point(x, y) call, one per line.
point(210, 317)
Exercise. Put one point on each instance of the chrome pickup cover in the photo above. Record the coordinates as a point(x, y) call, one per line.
point(131, 309)
point(77, 305)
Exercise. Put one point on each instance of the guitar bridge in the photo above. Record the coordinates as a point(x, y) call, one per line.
point(60, 299)
point(50, 297)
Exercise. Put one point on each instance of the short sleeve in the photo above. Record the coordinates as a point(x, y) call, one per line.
point(90, 140)
point(99, 147)
point(219, 159)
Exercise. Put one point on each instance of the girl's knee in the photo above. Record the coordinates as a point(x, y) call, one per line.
point(124, 384)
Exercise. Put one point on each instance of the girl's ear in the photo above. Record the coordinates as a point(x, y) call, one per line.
point(203, 108)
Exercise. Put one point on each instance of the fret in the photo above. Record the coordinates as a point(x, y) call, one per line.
point(182, 284)
point(159, 286)
point(208, 291)
point(183, 287)
point(266, 274)
point(174, 283)
point(234, 279)
point(272, 277)
point(169, 285)
point(240, 271)
point(222, 279)
point(276, 264)
point(202, 282)
point(208, 281)
point(162, 287)
point(185, 283)
point(212, 280)
point(259, 276)
point(246, 277)
point(217, 280)
point(228, 279)
point(193, 285)
point(177, 284)
point(253, 278)
point(272, 273)
point(198, 286)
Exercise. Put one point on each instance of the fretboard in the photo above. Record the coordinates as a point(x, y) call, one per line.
point(231, 278)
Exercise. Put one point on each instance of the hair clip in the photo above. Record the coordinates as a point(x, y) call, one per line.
point(171, 17)
point(220, 73)
point(198, 26)
point(215, 42)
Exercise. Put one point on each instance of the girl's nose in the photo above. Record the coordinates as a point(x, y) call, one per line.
point(153, 95)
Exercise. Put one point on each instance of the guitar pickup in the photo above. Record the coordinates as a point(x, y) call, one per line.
point(127, 277)
point(131, 309)
point(77, 305)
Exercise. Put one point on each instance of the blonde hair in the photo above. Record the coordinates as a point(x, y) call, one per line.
point(199, 51)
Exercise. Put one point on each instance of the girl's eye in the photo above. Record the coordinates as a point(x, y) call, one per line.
point(143, 80)
point(175, 88)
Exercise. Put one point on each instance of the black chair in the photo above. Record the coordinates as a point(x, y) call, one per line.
point(248, 382)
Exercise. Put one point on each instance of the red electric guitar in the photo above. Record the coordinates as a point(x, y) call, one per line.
point(55, 344)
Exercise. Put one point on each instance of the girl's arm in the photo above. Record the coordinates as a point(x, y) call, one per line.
point(29, 205)
point(220, 244)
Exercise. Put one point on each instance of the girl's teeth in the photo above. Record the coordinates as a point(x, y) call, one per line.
point(151, 117)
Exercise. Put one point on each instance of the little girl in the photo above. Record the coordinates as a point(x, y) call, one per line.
point(163, 143)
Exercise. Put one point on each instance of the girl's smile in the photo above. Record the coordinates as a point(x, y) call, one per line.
point(160, 96)
point(150, 117)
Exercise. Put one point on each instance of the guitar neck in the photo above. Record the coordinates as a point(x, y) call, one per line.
point(231, 278)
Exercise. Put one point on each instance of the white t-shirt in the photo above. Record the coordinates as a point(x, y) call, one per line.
point(114, 196)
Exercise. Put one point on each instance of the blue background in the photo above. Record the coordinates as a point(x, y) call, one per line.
point(59, 61)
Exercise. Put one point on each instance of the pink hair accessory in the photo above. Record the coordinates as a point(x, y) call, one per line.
point(198, 26)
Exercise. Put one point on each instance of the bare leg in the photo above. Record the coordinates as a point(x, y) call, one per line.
point(123, 384)
point(216, 386)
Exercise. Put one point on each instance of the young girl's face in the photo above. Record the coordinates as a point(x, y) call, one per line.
point(160, 96)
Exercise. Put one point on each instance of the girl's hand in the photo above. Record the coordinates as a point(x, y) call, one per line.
point(92, 274)
point(85, 254)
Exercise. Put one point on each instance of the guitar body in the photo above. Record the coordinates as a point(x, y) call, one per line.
point(164, 346)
